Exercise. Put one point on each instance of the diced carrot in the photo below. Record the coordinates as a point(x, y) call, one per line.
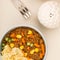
point(28, 48)
point(37, 45)
point(42, 47)
point(20, 43)
point(14, 39)
point(41, 55)
point(13, 35)
point(22, 34)
point(30, 36)
point(23, 41)
point(29, 58)
point(41, 41)
point(43, 51)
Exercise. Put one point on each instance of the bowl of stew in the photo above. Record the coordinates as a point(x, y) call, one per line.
point(28, 39)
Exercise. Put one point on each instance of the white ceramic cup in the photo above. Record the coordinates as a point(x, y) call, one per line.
point(49, 14)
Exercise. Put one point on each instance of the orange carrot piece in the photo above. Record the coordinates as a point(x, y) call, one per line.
point(23, 41)
point(41, 41)
point(20, 43)
point(42, 47)
point(28, 58)
point(41, 55)
point(15, 39)
point(28, 48)
point(22, 34)
point(37, 45)
point(13, 35)
point(30, 36)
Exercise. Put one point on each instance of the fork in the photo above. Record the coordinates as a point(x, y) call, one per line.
point(22, 8)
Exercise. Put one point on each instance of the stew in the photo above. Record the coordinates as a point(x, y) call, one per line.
point(28, 40)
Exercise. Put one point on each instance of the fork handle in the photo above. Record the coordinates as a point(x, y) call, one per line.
point(18, 4)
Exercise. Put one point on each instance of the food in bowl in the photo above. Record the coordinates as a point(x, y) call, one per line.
point(12, 54)
point(28, 40)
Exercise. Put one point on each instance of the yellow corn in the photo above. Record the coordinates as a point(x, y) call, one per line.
point(18, 36)
point(25, 54)
point(32, 52)
point(36, 50)
point(21, 47)
point(11, 45)
point(29, 32)
point(28, 43)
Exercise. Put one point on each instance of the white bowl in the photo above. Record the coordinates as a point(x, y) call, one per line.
point(32, 28)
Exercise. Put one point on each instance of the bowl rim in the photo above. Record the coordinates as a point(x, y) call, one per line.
point(30, 26)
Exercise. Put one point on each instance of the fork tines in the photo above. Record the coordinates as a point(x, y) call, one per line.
point(25, 12)
point(22, 8)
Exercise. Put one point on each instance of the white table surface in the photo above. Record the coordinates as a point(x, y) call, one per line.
point(10, 16)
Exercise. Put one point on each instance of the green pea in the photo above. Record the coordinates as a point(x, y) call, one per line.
point(10, 40)
point(6, 38)
point(2, 48)
point(31, 44)
point(3, 44)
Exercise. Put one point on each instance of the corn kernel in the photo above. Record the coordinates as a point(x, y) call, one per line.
point(3, 44)
point(36, 50)
point(18, 36)
point(11, 45)
point(25, 54)
point(6, 38)
point(32, 51)
point(28, 43)
point(29, 32)
point(21, 47)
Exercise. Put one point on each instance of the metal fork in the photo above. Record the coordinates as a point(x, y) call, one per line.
point(22, 8)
